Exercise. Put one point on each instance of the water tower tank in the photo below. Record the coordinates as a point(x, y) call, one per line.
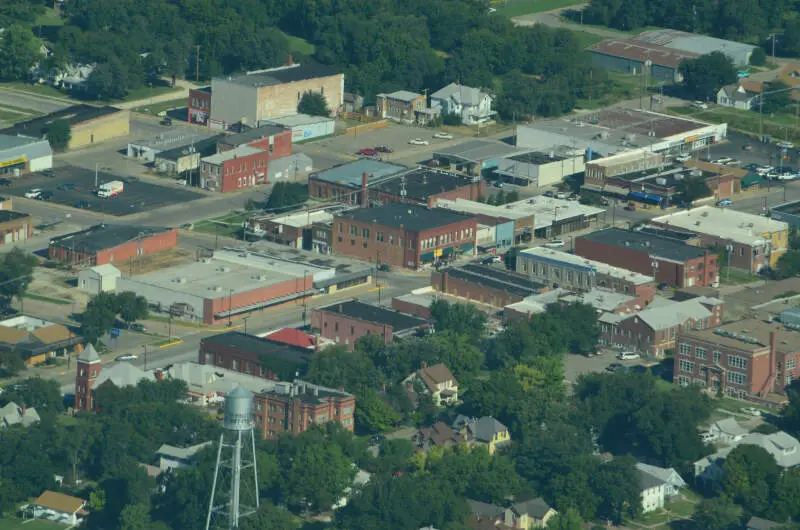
point(238, 410)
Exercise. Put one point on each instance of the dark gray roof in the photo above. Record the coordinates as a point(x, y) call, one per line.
point(411, 217)
point(485, 428)
point(510, 282)
point(484, 509)
point(75, 114)
point(289, 74)
point(252, 135)
point(103, 236)
point(647, 481)
point(422, 182)
point(375, 314)
point(657, 246)
point(255, 347)
point(537, 507)
point(350, 174)
point(667, 233)
point(10, 215)
point(205, 147)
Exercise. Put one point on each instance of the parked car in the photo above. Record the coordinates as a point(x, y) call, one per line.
point(67, 186)
point(33, 193)
point(138, 327)
point(367, 152)
point(722, 160)
point(784, 145)
point(747, 147)
point(384, 267)
point(683, 157)
point(45, 195)
point(663, 286)
point(627, 356)
point(752, 411)
point(82, 204)
point(751, 167)
point(631, 207)
point(128, 180)
point(166, 121)
point(498, 184)
point(724, 202)
point(764, 170)
point(418, 141)
point(554, 243)
point(49, 173)
point(384, 149)
point(443, 136)
point(126, 357)
point(562, 195)
point(377, 439)
point(700, 105)
point(433, 163)
point(492, 259)
point(707, 437)
point(614, 367)
point(574, 197)
point(5, 182)
point(733, 162)
point(549, 194)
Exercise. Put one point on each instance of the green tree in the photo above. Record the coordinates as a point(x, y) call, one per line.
point(570, 519)
point(693, 188)
point(96, 321)
point(313, 104)
point(269, 516)
point(719, 513)
point(286, 195)
point(374, 415)
point(16, 274)
point(42, 394)
point(109, 80)
point(131, 307)
point(751, 474)
point(777, 97)
point(59, 134)
point(703, 76)
point(758, 57)
point(458, 317)
point(135, 517)
point(11, 363)
point(18, 52)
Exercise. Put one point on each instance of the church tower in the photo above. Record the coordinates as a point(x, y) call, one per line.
point(88, 371)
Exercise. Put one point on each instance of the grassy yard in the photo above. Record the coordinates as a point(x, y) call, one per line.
point(41, 298)
point(226, 226)
point(38, 524)
point(299, 45)
point(49, 18)
point(145, 92)
point(7, 115)
point(781, 125)
point(156, 108)
point(736, 277)
point(515, 8)
point(625, 86)
point(39, 90)
point(586, 39)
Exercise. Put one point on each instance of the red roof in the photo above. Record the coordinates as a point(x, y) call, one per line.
point(292, 337)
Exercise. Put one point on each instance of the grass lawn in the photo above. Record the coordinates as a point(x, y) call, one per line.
point(681, 507)
point(515, 8)
point(585, 38)
point(226, 226)
point(625, 86)
point(41, 298)
point(144, 92)
point(156, 108)
point(49, 18)
point(299, 45)
point(7, 115)
point(37, 524)
point(40, 90)
point(652, 518)
point(736, 277)
point(21, 110)
point(779, 125)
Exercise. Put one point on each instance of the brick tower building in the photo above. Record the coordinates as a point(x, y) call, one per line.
point(87, 374)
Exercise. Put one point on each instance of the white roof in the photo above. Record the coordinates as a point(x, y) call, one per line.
point(782, 446)
point(106, 271)
point(180, 453)
point(729, 426)
point(242, 150)
point(11, 414)
point(297, 120)
point(622, 158)
point(740, 227)
point(480, 208)
point(122, 374)
point(402, 95)
point(537, 303)
point(303, 219)
point(600, 299)
point(460, 93)
point(543, 253)
point(675, 314)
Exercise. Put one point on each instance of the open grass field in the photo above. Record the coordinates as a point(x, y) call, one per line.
point(515, 8)
point(50, 17)
point(300, 45)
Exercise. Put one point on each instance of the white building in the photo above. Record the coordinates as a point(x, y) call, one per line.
point(473, 105)
point(671, 479)
point(21, 154)
point(728, 431)
point(653, 491)
point(171, 457)
point(148, 148)
point(304, 126)
point(782, 446)
point(99, 279)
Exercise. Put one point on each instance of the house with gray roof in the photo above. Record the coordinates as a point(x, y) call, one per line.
point(741, 96)
point(122, 374)
point(782, 446)
point(471, 104)
point(728, 431)
point(13, 414)
point(485, 431)
point(404, 107)
point(171, 457)
point(531, 513)
point(653, 490)
point(671, 479)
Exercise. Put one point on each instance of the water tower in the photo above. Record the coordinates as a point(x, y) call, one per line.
point(234, 495)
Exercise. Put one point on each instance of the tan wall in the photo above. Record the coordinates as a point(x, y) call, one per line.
point(280, 100)
point(101, 129)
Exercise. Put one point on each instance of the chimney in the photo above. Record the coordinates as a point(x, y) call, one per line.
point(289, 60)
point(364, 181)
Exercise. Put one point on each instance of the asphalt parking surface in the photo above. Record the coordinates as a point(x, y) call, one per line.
point(138, 196)
point(578, 365)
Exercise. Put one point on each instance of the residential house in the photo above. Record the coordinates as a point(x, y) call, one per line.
point(471, 104)
point(672, 480)
point(790, 76)
point(783, 447)
point(532, 513)
point(654, 330)
point(405, 107)
point(485, 431)
point(757, 523)
point(171, 457)
point(727, 431)
point(744, 96)
point(439, 434)
point(57, 506)
point(36, 339)
point(653, 490)
point(437, 381)
point(13, 414)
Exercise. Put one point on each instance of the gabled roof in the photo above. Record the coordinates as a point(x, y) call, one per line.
point(12, 414)
point(51, 334)
point(89, 354)
point(738, 93)
point(436, 374)
point(402, 95)
point(667, 475)
point(106, 271)
point(180, 453)
point(484, 509)
point(537, 507)
point(122, 374)
point(441, 434)
point(485, 428)
point(462, 94)
point(648, 481)
point(730, 427)
point(671, 315)
point(59, 502)
point(757, 523)
point(292, 337)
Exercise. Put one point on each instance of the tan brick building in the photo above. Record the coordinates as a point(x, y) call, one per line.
point(90, 124)
point(254, 97)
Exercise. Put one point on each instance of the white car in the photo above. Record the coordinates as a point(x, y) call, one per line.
point(700, 105)
point(707, 437)
point(32, 194)
point(752, 411)
point(627, 356)
point(555, 243)
point(764, 170)
point(785, 145)
point(733, 162)
point(443, 136)
point(722, 160)
point(562, 195)
point(685, 157)
point(126, 357)
point(418, 141)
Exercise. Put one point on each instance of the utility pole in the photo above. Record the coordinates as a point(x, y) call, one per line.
point(197, 64)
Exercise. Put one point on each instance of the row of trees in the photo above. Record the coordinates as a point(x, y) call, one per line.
point(103, 310)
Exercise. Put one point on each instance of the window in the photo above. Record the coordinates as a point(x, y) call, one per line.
point(352, 330)
point(686, 366)
point(341, 227)
point(737, 362)
point(391, 239)
point(379, 236)
point(322, 418)
point(717, 356)
point(365, 232)
point(336, 326)
point(735, 378)
point(339, 239)
point(352, 242)
point(347, 410)
point(685, 349)
point(700, 353)
point(683, 380)
point(790, 364)
point(353, 230)
point(788, 379)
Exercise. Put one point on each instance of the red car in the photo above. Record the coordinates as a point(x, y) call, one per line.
point(368, 152)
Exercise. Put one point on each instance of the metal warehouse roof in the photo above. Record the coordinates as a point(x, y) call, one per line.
point(411, 217)
point(477, 150)
point(104, 236)
point(693, 43)
point(350, 174)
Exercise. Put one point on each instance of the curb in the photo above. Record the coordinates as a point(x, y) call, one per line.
point(173, 343)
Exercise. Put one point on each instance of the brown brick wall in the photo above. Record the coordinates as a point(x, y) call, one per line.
point(281, 100)
point(411, 309)
point(443, 282)
point(346, 330)
point(118, 254)
point(224, 302)
point(277, 414)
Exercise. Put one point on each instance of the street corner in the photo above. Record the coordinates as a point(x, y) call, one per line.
point(168, 343)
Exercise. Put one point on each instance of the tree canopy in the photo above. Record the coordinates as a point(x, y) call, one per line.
point(705, 75)
point(313, 104)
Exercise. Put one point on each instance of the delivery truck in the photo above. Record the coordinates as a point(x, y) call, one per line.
point(109, 189)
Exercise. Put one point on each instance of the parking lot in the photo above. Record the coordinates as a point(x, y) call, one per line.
point(72, 186)
point(577, 365)
point(757, 153)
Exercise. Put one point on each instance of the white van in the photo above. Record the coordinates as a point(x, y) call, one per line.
point(627, 356)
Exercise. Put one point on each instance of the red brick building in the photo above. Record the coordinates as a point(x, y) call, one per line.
point(88, 370)
point(484, 284)
point(253, 355)
point(14, 226)
point(304, 406)
point(115, 244)
point(669, 261)
point(276, 141)
point(346, 322)
point(749, 359)
point(403, 235)
point(199, 105)
point(654, 330)
point(235, 169)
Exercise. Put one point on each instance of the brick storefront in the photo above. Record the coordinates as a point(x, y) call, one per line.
point(114, 244)
point(199, 107)
point(254, 355)
point(276, 141)
point(239, 168)
point(216, 309)
point(14, 227)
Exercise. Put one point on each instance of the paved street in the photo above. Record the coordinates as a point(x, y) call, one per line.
point(26, 100)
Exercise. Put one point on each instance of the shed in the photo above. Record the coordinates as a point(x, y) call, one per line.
point(99, 279)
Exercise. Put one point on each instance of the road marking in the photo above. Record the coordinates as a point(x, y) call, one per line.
point(226, 328)
point(173, 343)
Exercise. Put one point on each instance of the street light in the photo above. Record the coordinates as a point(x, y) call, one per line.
point(729, 248)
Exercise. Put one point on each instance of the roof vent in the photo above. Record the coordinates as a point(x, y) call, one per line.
point(216, 288)
point(224, 269)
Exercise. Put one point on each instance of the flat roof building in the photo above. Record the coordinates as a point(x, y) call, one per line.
point(738, 52)
point(474, 156)
point(23, 154)
point(305, 127)
point(89, 124)
point(147, 149)
point(346, 322)
point(253, 355)
point(110, 243)
point(484, 284)
point(540, 168)
point(756, 242)
point(511, 226)
point(633, 57)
